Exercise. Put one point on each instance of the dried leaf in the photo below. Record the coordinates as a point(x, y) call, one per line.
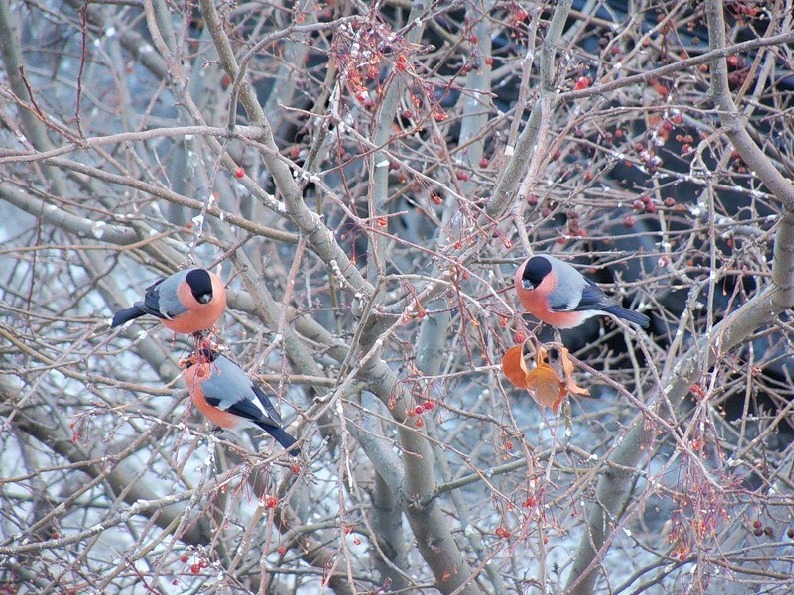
point(514, 366)
point(567, 369)
point(544, 382)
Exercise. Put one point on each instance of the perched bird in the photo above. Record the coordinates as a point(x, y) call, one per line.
point(559, 295)
point(225, 395)
point(187, 302)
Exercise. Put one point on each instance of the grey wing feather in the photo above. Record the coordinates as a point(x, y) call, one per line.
point(226, 385)
point(163, 296)
point(570, 285)
point(593, 298)
point(228, 388)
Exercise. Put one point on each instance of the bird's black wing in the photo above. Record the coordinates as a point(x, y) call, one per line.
point(151, 301)
point(267, 405)
point(592, 298)
point(247, 410)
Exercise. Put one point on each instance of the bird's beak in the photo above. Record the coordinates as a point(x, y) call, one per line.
point(527, 284)
point(205, 298)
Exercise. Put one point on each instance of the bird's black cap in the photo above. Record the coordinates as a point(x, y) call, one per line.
point(536, 269)
point(205, 355)
point(200, 285)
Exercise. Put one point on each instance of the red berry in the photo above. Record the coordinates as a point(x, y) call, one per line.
point(295, 468)
point(521, 14)
point(419, 410)
point(184, 558)
point(282, 551)
point(437, 199)
point(669, 202)
point(509, 445)
point(582, 83)
point(271, 502)
point(650, 208)
point(194, 568)
point(239, 173)
point(489, 60)
point(428, 405)
point(484, 162)
point(461, 175)
point(628, 220)
point(520, 337)
point(639, 206)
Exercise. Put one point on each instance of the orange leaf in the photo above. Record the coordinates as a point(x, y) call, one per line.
point(514, 366)
point(547, 386)
point(567, 369)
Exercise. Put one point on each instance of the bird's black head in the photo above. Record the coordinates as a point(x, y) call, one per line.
point(205, 355)
point(536, 269)
point(200, 285)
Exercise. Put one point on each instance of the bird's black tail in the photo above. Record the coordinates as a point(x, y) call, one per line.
point(126, 315)
point(630, 315)
point(284, 439)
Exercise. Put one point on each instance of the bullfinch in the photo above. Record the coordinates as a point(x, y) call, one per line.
point(559, 295)
point(189, 301)
point(225, 395)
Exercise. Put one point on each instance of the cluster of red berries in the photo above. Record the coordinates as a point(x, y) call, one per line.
point(420, 409)
point(530, 502)
point(195, 567)
point(759, 530)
